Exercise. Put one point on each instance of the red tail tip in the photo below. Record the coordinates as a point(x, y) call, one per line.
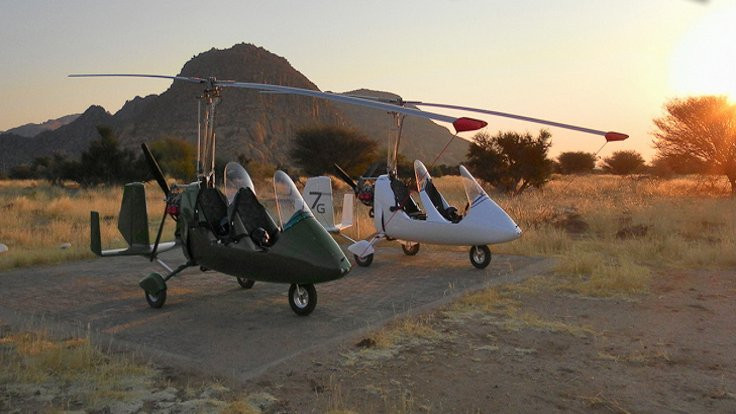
point(615, 136)
point(468, 124)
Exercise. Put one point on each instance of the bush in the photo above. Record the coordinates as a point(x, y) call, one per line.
point(511, 161)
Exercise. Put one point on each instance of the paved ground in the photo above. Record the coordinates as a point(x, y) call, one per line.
point(209, 324)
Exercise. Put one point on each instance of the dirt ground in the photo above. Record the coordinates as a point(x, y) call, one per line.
point(533, 349)
point(668, 351)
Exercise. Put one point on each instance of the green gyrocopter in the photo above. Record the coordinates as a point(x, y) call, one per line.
point(230, 232)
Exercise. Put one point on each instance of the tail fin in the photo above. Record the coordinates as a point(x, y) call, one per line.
point(347, 212)
point(132, 223)
point(95, 243)
point(133, 218)
point(318, 196)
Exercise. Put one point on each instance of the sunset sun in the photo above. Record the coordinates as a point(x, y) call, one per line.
point(704, 61)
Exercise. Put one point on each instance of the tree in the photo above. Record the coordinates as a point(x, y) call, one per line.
point(105, 162)
point(576, 162)
point(315, 150)
point(511, 161)
point(176, 157)
point(700, 131)
point(624, 162)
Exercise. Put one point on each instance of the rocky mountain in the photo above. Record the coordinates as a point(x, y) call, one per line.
point(31, 130)
point(69, 140)
point(258, 125)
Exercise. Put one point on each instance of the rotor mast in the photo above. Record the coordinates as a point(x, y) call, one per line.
point(394, 140)
point(206, 151)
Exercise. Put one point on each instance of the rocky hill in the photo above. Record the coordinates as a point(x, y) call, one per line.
point(31, 130)
point(258, 125)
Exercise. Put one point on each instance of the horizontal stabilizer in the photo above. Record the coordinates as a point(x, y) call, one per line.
point(132, 250)
point(361, 248)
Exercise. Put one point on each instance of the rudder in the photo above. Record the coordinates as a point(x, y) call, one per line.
point(318, 196)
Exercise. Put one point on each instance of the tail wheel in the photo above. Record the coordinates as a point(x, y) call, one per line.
point(480, 256)
point(363, 261)
point(156, 300)
point(410, 249)
point(245, 283)
point(302, 299)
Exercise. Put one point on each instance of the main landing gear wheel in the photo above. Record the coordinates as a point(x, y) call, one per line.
point(363, 261)
point(156, 300)
point(302, 299)
point(410, 249)
point(245, 283)
point(480, 256)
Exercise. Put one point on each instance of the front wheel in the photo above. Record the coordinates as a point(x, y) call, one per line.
point(410, 249)
point(245, 283)
point(302, 299)
point(156, 300)
point(363, 261)
point(480, 256)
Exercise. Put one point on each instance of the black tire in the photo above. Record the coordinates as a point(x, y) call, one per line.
point(303, 304)
point(245, 283)
point(156, 301)
point(410, 251)
point(365, 261)
point(480, 256)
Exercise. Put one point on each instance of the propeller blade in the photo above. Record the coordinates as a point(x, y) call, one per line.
point(609, 135)
point(156, 170)
point(372, 169)
point(345, 177)
point(158, 235)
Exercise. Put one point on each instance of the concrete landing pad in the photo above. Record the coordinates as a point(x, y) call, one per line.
point(210, 324)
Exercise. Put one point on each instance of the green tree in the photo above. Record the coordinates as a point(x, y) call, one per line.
point(105, 162)
point(576, 162)
point(510, 161)
point(315, 150)
point(624, 163)
point(177, 157)
point(700, 131)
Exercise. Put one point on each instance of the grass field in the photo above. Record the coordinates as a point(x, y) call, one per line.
point(609, 232)
point(611, 236)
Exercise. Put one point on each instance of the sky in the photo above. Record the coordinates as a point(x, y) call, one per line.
point(603, 64)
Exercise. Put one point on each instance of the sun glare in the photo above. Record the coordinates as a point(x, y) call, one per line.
point(704, 62)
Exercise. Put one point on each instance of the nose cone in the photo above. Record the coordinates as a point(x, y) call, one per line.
point(511, 232)
point(503, 227)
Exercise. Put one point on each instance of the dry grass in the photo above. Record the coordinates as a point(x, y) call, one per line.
point(402, 331)
point(36, 218)
point(70, 369)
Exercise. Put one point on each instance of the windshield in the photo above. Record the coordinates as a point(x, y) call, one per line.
point(422, 175)
point(473, 190)
point(289, 202)
point(236, 178)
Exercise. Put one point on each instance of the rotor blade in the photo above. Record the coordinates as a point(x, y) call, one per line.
point(460, 124)
point(345, 177)
point(156, 170)
point(137, 75)
point(609, 135)
point(369, 103)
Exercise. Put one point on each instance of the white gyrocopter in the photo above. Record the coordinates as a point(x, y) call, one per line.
point(396, 215)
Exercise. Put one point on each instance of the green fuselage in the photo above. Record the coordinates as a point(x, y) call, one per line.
point(304, 252)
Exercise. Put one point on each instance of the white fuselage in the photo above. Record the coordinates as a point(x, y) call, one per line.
point(483, 223)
